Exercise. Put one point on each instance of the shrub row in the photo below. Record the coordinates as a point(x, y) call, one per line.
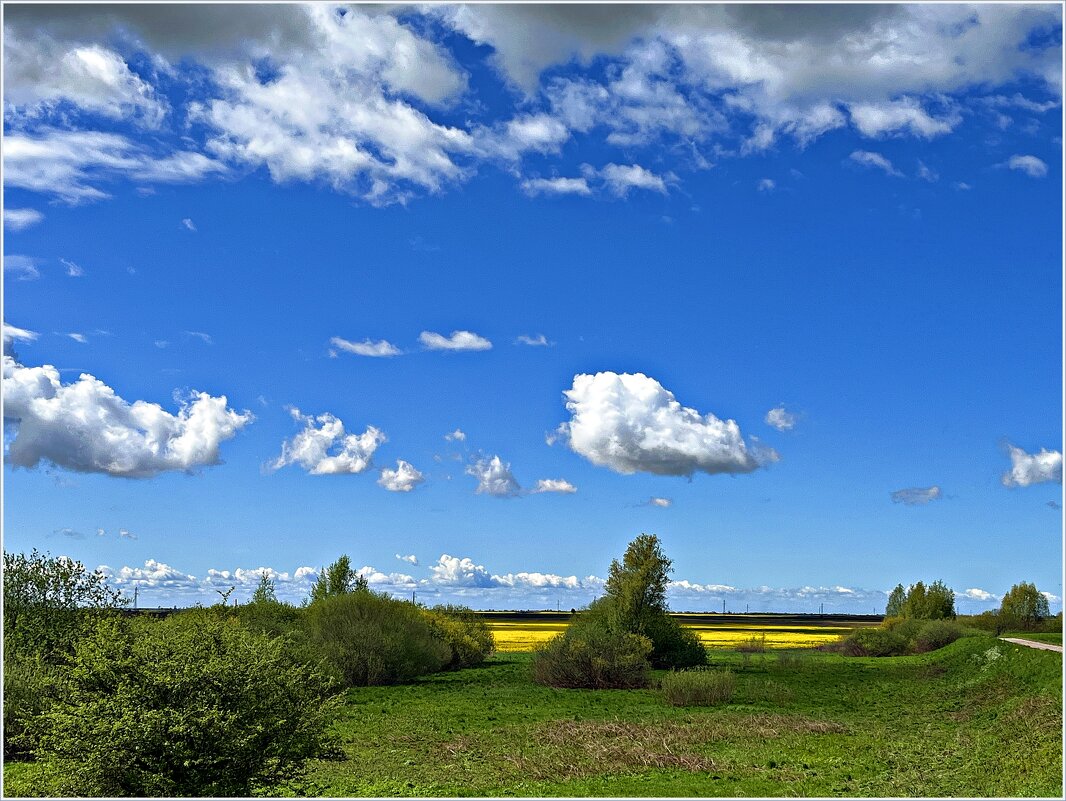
point(899, 636)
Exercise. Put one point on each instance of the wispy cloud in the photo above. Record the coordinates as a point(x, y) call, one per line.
point(1030, 165)
point(916, 496)
point(459, 340)
point(868, 158)
point(22, 268)
point(381, 348)
point(73, 270)
point(19, 219)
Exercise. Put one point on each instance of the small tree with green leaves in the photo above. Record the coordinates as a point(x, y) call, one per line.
point(1023, 607)
point(895, 602)
point(338, 579)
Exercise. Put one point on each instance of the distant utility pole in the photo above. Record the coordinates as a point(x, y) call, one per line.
point(745, 609)
point(412, 596)
point(723, 606)
point(135, 597)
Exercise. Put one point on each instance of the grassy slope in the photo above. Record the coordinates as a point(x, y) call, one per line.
point(823, 725)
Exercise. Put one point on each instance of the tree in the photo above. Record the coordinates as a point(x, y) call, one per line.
point(45, 601)
point(338, 579)
point(193, 705)
point(939, 602)
point(264, 591)
point(637, 585)
point(895, 602)
point(1023, 606)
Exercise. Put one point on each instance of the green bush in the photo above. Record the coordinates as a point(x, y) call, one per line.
point(366, 638)
point(31, 685)
point(464, 631)
point(935, 634)
point(698, 687)
point(593, 657)
point(194, 705)
point(673, 646)
point(875, 642)
point(269, 616)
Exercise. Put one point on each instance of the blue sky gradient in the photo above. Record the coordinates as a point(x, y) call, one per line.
point(878, 254)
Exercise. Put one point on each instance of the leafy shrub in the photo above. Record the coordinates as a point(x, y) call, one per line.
point(673, 646)
point(905, 627)
point(698, 687)
point(755, 644)
point(30, 687)
point(269, 616)
point(464, 631)
point(593, 657)
point(191, 705)
point(935, 634)
point(366, 638)
point(875, 642)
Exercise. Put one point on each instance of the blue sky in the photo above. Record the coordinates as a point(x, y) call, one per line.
point(798, 274)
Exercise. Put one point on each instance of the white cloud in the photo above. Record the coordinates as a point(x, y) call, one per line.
point(73, 270)
point(662, 503)
point(23, 268)
point(781, 419)
point(456, 436)
point(189, 224)
point(459, 340)
point(85, 426)
point(453, 570)
point(620, 178)
point(917, 496)
point(126, 534)
point(310, 448)
point(533, 341)
point(766, 185)
point(200, 335)
point(1030, 165)
point(18, 219)
point(13, 334)
point(381, 348)
point(556, 186)
point(878, 119)
point(1032, 468)
point(978, 594)
point(926, 173)
point(494, 478)
point(411, 559)
point(630, 423)
point(403, 479)
point(870, 159)
point(554, 485)
point(78, 337)
point(154, 574)
point(1054, 599)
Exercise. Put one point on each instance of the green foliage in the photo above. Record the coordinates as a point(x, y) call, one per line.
point(367, 638)
point(698, 687)
point(46, 599)
point(875, 641)
point(31, 685)
point(673, 645)
point(267, 615)
point(464, 631)
point(1023, 607)
point(338, 579)
point(935, 634)
point(595, 657)
point(895, 602)
point(190, 705)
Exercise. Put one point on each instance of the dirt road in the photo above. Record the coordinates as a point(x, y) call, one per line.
point(1043, 646)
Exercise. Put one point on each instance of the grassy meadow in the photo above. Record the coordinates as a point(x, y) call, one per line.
point(978, 718)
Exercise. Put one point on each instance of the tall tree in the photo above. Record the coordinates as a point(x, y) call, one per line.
point(637, 584)
point(338, 579)
point(1023, 606)
point(896, 601)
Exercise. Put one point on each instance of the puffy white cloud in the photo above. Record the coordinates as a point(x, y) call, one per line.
point(620, 178)
point(877, 119)
point(539, 340)
point(459, 340)
point(978, 594)
point(22, 268)
point(868, 158)
point(781, 419)
point(917, 496)
point(73, 270)
point(494, 478)
point(537, 580)
point(42, 74)
point(556, 186)
point(1030, 165)
point(411, 559)
point(461, 571)
point(153, 574)
point(554, 485)
point(1032, 468)
point(85, 426)
point(381, 348)
point(456, 436)
point(403, 479)
point(662, 503)
point(630, 423)
point(18, 219)
point(311, 447)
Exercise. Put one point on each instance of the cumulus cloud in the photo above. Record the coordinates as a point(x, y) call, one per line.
point(538, 341)
point(1030, 165)
point(907, 115)
point(459, 340)
point(556, 186)
point(630, 423)
point(456, 436)
point(403, 479)
point(494, 478)
point(620, 178)
point(977, 594)
point(86, 427)
point(22, 268)
point(18, 219)
point(1032, 468)
point(781, 419)
point(13, 334)
point(868, 158)
point(323, 447)
point(381, 348)
point(916, 496)
point(554, 485)
point(411, 559)
point(461, 571)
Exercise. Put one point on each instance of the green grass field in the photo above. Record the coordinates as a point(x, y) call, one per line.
point(957, 722)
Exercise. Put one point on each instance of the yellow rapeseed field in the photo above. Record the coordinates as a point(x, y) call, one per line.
point(527, 635)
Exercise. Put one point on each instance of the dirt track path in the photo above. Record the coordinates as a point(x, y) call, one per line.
point(1043, 646)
